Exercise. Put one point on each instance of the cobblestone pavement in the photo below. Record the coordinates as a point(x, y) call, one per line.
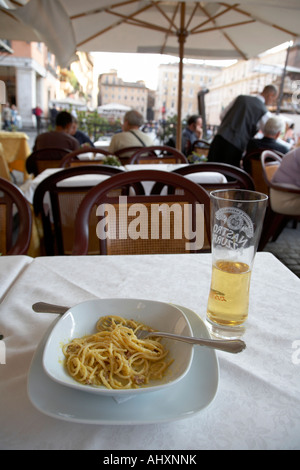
point(287, 248)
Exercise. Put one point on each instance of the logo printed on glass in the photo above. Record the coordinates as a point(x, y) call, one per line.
point(235, 229)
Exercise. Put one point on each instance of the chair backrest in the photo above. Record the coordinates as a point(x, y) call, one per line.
point(161, 219)
point(126, 153)
point(270, 162)
point(15, 220)
point(200, 146)
point(157, 154)
point(252, 165)
point(56, 201)
point(42, 159)
point(72, 159)
point(236, 177)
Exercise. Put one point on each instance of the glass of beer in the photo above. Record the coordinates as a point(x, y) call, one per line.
point(236, 222)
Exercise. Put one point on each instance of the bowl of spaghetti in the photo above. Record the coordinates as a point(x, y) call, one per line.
point(94, 347)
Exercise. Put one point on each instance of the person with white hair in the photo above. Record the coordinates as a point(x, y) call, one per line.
point(131, 135)
point(270, 140)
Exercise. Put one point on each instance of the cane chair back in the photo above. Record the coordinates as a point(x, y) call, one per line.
point(236, 177)
point(201, 147)
point(126, 153)
point(56, 200)
point(42, 159)
point(73, 159)
point(15, 220)
point(157, 154)
point(158, 228)
point(252, 165)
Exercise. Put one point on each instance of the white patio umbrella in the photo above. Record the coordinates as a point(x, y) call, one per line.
point(186, 29)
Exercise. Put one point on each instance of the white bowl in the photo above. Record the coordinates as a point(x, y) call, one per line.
point(81, 320)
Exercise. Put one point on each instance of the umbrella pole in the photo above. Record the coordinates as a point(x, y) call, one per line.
point(181, 39)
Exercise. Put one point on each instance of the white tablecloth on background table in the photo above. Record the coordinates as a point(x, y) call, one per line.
point(202, 177)
point(30, 186)
point(257, 405)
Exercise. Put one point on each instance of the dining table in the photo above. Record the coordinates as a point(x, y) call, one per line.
point(16, 149)
point(249, 400)
point(207, 177)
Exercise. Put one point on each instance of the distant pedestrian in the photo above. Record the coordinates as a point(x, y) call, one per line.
point(6, 116)
point(37, 111)
point(14, 115)
point(53, 114)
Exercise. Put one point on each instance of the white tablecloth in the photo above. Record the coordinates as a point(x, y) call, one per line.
point(29, 187)
point(257, 405)
point(207, 177)
point(11, 267)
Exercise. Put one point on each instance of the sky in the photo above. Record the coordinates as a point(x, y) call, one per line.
point(134, 67)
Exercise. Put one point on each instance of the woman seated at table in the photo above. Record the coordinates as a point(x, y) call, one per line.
point(288, 174)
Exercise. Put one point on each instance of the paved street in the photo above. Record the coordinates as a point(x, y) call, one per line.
point(287, 248)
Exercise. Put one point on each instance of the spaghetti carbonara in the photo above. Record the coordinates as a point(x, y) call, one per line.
point(115, 357)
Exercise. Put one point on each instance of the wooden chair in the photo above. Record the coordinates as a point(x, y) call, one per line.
point(147, 224)
point(72, 159)
point(200, 146)
point(15, 220)
point(157, 154)
point(42, 159)
point(236, 177)
point(252, 164)
point(56, 201)
point(126, 153)
point(275, 219)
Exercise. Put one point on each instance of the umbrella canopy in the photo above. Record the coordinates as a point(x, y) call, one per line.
point(187, 29)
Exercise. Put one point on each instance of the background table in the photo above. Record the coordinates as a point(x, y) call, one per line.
point(257, 405)
point(15, 150)
point(30, 186)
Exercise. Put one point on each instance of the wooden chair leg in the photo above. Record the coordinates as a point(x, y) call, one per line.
point(271, 225)
point(281, 225)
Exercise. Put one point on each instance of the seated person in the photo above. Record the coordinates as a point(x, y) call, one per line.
point(59, 138)
point(271, 132)
point(287, 174)
point(191, 133)
point(131, 135)
point(82, 138)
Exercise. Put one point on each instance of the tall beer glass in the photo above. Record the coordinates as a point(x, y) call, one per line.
point(236, 222)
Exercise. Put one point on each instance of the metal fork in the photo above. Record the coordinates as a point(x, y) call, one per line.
point(232, 346)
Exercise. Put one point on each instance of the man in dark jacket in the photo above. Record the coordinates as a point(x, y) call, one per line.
point(239, 123)
point(272, 130)
point(60, 137)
